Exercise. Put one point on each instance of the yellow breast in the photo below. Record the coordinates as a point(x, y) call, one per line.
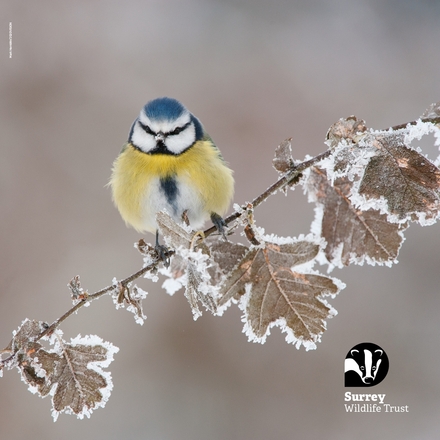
point(200, 171)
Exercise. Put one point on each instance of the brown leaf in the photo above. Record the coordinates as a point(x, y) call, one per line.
point(194, 292)
point(432, 112)
point(77, 292)
point(145, 248)
point(283, 159)
point(234, 285)
point(13, 354)
point(280, 295)
point(408, 182)
point(70, 372)
point(131, 299)
point(350, 129)
point(28, 331)
point(352, 235)
point(191, 292)
point(225, 255)
point(174, 234)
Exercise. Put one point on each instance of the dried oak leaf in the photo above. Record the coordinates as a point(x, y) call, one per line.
point(352, 235)
point(409, 183)
point(72, 373)
point(272, 292)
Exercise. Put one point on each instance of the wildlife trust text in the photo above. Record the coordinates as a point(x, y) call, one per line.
point(371, 403)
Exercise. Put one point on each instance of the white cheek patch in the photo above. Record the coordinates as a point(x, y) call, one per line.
point(141, 139)
point(180, 142)
point(176, 144)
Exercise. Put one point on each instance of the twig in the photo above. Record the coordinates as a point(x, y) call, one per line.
point(287, 179)
point(291, 177)
point(294, 172)
point(400, 126)
point(90, 297)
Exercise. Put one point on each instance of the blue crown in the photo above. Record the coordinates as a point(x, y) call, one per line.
point(161, 109)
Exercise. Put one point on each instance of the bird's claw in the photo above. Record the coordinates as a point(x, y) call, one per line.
point(220, 224)
point(163, 253)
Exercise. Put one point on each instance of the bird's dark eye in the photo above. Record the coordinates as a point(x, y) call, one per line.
point(147, 129)
point(178, 130)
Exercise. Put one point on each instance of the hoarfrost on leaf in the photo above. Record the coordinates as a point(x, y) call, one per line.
point(388, 175)
point(148, 252)
point(417, 131)
point(271, 291)
point(407, 181)
point(77, 292)
point(351, 235)
point(198, 286)
point(190, 264)
point(346, 130)
point(175, 235)
point(71, 373)
point(432, 112)
point(130, 298)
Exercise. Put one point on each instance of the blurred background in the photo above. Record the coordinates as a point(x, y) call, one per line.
point(255, 72)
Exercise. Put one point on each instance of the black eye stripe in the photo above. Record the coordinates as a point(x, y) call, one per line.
point(178, 129)
point(147, 129)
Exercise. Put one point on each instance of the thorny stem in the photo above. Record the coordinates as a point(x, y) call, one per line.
point(290, 178)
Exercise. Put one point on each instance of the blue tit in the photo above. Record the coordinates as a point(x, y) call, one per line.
point(170, 163)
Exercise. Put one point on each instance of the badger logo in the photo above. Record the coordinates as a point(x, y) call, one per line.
point(366, 365)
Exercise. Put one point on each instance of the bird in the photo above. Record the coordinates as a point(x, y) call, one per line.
point(170, 163)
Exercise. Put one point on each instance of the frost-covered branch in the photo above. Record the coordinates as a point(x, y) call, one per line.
point(87, 298)
point(367, 187)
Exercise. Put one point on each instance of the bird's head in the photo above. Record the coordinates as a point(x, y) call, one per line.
point(165, 126)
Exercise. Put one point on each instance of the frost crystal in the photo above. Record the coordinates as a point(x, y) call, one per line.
point(71, 373)
point(130, 298)
point(275, 285)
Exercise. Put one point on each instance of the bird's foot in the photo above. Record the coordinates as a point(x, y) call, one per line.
point(219, 223)
point(162, 251)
